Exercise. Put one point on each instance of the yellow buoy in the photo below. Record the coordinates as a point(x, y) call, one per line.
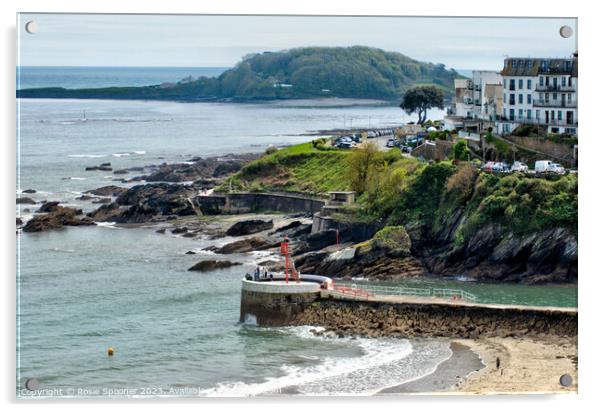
point(110, 351)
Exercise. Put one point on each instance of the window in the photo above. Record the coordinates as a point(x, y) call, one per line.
point(511, 114)
point(541, 80)
point(528, 99)
point(512, 84)
point(559, 115)
point(529, 84)
point(569, 97)
point(529, 114)
point(563, 81)
point(537, 114)
point(504, 110)
point(504, 98)
point(520, 113)
point(552, 113)
point(555, 96)
point(511, 99)
point(520, 99)
point(520, 83)
point(505, 84)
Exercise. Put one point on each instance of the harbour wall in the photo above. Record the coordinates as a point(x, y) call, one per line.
point(453, 320)
point(237, 203)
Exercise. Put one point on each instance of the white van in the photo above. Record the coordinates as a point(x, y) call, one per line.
point(542, 166)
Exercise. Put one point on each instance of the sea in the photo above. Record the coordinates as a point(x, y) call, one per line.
point(82, 290)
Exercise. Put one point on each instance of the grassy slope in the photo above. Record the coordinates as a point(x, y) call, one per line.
point(298, 168)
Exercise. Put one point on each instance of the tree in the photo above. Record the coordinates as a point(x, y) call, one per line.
point(421, 98)
point(359, 164)
point(461, 151)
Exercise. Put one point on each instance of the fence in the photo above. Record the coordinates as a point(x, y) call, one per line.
point(367, 291)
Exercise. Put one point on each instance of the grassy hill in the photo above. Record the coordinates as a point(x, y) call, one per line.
point(309, 72)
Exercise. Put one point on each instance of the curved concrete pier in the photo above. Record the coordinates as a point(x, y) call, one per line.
point(276, 303)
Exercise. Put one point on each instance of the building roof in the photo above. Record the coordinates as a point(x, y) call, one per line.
point(517, 66)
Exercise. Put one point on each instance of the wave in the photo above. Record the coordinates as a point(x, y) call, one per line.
point(384, 362)
point(108, 225)
point(92, 156)
point(121, 154)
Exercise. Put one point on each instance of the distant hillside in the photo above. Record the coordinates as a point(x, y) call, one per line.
point(309, 72)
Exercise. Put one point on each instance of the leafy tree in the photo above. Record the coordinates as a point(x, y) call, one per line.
point(460, 150)
point(421, 98)
point(359, 164)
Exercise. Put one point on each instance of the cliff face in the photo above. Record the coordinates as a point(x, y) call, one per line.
point(495, 253)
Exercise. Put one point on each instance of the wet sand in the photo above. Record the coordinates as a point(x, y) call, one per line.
point(447, 375)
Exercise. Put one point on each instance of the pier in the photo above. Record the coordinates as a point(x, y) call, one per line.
point(379, 311)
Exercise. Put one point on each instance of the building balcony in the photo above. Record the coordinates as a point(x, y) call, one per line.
point(552, 88)
point(541, 122)
point(554, 103)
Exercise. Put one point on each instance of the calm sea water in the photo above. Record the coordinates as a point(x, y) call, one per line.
point(91, 77)
point(176, 332)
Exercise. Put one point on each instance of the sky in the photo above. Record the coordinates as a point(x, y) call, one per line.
point(221, 41)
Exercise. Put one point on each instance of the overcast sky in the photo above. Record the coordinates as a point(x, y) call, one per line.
point(220, 41)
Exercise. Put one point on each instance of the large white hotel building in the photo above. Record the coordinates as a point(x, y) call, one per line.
point(539, 91)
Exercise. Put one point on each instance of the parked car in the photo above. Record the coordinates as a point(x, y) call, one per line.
point(519, 167)
point(488, 167)
point(391, 143)
point(406, 149)
point(556, 168)
point(500, 167)
point(344, 145)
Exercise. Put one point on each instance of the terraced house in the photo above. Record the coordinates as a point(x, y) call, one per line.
point(539, 91)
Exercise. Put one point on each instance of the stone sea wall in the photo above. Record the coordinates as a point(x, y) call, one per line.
point(374, 319)
point(236, 203)
point(274, 309)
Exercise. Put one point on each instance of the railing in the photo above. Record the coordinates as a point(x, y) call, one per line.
point(554, 103)
point(368, 291)
point(552, 88)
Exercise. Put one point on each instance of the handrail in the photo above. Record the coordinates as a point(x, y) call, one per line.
point(371, 290)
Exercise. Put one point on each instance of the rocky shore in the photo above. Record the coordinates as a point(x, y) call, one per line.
point(339, 246)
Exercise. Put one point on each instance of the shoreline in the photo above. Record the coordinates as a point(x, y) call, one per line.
point(526, 366)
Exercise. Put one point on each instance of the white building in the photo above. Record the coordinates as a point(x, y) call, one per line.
point(539, 91)
point(478, 98)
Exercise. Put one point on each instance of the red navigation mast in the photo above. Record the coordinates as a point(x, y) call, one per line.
point(284, 251)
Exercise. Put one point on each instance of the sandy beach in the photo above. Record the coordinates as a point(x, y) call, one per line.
point(526, 366)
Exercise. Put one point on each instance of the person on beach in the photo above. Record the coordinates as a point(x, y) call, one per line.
point(257, 273)
point(265, 274)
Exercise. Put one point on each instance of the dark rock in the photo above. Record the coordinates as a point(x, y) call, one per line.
point(179, 230)
point(105, 168)
point(58, 217)
point(247, 227)
point(19, 221)
point(48, 207)
point(106, 164)
point(189, 234)
point(29, 191)
point(209, 265)
point(120, 172)
point(162, 230)
point(108, 191)
point(84, 197)
point(25, 201)
point(107, 213)
point(316, 241)
point(102, 200)
point(190, 252)
point(247, 245)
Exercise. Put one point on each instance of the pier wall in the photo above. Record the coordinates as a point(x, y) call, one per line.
point(374, 319)
point(237, 203)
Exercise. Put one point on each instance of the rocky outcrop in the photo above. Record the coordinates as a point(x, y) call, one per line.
point(495, 254)
point(25, 201)
point(209, 265)
point(211, 167)
point(57, 217)
point(386, 256)
point(107, 191)
point(248, 227)
point(29, 191)
point(149, 202)
point(246, 245)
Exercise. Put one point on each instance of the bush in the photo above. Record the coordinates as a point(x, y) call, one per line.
point(460, 150)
